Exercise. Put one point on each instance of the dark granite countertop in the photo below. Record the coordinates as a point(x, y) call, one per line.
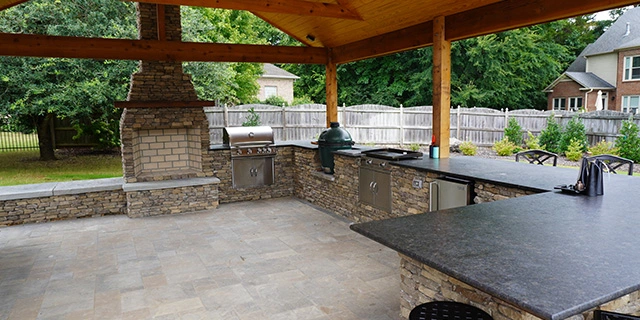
point(552, 254)
point(506, 173)
point(305, 144)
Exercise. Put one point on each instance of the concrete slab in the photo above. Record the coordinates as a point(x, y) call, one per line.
point(84, 186)
point(168, 184)
point(27, 191)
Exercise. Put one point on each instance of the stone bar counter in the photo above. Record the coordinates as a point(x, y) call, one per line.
point(547, 255)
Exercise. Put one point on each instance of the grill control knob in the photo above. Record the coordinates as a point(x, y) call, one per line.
point(269, 150)
point(239, 151)
point(383, 164)
point(249, 151)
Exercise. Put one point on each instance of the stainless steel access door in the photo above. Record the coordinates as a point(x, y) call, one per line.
point(445, 194)
point(252, 172)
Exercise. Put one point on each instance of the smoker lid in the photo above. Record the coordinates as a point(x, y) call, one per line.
point(241, 136)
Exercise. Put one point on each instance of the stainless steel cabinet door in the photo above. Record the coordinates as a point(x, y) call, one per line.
point(366, 186)
point(382, 191)
point(252, 172)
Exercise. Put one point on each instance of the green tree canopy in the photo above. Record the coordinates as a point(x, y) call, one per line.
point(36, 89)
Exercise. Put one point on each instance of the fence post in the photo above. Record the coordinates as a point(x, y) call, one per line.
point(458, 123)
point(284, 123)
point(342, 115)
point(225, 115)
point(401, 125)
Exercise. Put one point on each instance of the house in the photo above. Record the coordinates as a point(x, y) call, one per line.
point(606, 75)
point(276, 82)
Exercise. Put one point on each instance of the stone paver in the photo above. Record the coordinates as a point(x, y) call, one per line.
point(272, 259)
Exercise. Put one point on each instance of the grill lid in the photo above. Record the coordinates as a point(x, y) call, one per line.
point(247, 136)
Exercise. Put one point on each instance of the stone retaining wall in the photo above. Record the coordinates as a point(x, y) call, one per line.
point(145, 203)
point(421, 283)
point(45, 209)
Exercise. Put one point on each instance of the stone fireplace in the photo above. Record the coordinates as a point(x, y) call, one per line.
point(163, 130)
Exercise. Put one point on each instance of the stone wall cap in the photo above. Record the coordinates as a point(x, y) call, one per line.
point(27, 191)
point(168, 184)
point(86, 186)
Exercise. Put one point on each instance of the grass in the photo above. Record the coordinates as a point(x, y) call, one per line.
point(23, 167)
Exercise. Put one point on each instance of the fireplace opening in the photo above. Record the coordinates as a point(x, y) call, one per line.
point(166, 152)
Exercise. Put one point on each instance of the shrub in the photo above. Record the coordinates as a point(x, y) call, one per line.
point(301, 100)
point(252, 120)
point(628, 142)
point(276, 101)
point(505, 147)
point(551, 135)
point(603, 147)
point(414, 147)
point(574, 151)
point(574, 131)
point(513, 131)
point(532, 142)
point(468, 148)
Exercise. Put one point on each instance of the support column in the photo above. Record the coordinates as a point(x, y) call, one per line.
point(441, 86)
point(331, 91)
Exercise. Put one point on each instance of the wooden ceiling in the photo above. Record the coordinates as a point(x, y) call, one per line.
point(334, 30)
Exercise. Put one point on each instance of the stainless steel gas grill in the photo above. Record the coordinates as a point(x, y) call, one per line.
point(252, 155)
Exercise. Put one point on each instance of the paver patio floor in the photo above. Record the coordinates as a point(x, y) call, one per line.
point(271, 259)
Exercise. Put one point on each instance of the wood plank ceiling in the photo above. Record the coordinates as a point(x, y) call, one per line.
point(340, 30)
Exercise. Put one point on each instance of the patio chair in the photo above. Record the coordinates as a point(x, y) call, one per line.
point(607, 315)
point(536, 156)
point(446, 310)
point(614, 162)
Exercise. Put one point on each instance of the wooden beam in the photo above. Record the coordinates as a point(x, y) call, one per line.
point(410, 38)
point(517, 13)
point(163, 104)
point(295, 7)
point(160, 18)
point(97, 48)
point(472, 23)
point(5, 4)
point(441, 86)
point(331, 80)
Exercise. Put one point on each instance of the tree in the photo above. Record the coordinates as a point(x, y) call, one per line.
point(628, 142)
point(574, 132)
point(37, 89)
point(551, 135)
point(228, 82)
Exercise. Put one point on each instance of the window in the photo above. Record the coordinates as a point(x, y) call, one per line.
point(575, 103)
point(559, 104)
point(630, 104)
point(632, 68)
point(270, 91)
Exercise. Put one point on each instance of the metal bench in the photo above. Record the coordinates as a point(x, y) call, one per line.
point(614, 162)
point(536, 156)
point(447, 310)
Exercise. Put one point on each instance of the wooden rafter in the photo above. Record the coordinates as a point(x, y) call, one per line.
point(294, 7)
point(480, 21)
point(98, 48)
point(5, 4)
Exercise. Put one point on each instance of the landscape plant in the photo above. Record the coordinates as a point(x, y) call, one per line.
point(276, 101)
point(468, 148)
point(505, 147)
point(574, 131)
point(414, 147)
point(603, 147)
point(574, 151)
point(252, 120)
point(532, 142)
point(513, 131)
point(628, 142)
point(551, 135)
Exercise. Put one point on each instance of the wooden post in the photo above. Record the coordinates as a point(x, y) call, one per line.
point(162, 33)
point(332, 90)
point(441, 86)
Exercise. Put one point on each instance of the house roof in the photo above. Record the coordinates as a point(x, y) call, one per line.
point(273, 72)
point(624, 33)
point(587, 80)
point(338, 31)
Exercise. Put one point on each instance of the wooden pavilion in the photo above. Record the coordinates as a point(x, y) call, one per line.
point(333, 32)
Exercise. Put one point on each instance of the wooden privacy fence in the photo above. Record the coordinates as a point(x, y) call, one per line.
point(401, 126)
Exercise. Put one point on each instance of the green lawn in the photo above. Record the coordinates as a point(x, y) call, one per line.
point(23, 167)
